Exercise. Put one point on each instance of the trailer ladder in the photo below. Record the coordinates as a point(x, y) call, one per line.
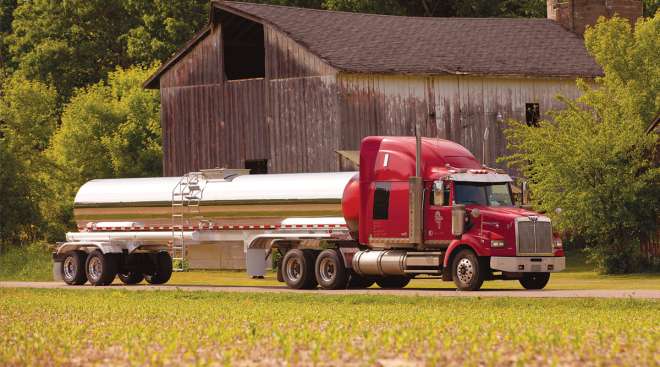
point(186, 200)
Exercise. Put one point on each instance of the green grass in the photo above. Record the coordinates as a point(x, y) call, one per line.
point(110, 327)
point(32, 262)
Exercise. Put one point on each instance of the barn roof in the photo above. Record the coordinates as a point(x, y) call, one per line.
point(369, 43)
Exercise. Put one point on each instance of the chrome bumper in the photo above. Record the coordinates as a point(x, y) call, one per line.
point(528, 264)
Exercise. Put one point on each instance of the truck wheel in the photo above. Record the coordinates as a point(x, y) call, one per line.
point(330, 270)
point(73, 268)
point(131, 278)
point(298, 269)
point(535, 280)
point(101, 268)
point(393, 282)
point(359, 282)
point(467, 272)
point(162, 268)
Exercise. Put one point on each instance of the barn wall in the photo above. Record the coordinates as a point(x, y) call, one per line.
point(304, 126)
point(201, 65)
point(459, 108)
point(285, 58)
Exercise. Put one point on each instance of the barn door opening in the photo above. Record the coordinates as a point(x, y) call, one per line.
point(242, 47)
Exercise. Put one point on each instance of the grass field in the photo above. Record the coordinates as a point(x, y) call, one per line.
point(55, 327)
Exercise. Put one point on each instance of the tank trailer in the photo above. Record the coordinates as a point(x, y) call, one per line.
point(417, 207)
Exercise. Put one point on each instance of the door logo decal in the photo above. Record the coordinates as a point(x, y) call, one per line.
point(438, 219)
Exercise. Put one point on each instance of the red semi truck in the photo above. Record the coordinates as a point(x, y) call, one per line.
point(417, 207)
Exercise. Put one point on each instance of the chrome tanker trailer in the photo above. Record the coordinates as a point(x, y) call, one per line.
point(417, 207)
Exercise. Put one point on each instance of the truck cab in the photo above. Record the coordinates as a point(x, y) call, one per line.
point(431, 200)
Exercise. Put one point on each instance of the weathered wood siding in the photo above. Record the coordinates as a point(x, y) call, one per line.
point(302, 107)
point(201, 65)
point(458, 108)
point(303, 118)
point(285, 58)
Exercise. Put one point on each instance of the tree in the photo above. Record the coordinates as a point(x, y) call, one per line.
point(163, 26)
point(74, 43)
point(594, 159)
point(110, 130)
point(17, 204)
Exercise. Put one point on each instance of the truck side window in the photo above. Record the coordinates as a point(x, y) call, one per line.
point(381, 200)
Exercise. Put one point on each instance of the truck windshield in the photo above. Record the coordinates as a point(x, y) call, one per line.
point(487, 194)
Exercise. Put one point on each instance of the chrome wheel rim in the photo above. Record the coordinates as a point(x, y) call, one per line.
point(293, 269)
point(70, 268)
point(327, 269)
point(465, 271)
point(94, 268)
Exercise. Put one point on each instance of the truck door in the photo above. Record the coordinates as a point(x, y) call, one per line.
point(437, 214)
point(390, 210)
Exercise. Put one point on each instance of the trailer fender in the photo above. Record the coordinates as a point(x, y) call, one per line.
point(105, 247)
point(257, 248)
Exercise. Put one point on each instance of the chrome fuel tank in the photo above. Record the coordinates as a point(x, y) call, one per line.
point(244, 199)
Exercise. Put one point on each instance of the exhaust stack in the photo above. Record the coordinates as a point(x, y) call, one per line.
point(416, 196)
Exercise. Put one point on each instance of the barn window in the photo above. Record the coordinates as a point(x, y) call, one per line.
point(381, 200)
point(257, 166)
point(532, 114)
point(242, 47)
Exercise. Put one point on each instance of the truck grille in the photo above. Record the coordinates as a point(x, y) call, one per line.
point(534, 237)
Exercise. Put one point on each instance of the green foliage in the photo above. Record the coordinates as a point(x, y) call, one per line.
point(31, 262)
point(650, 7)
point(594, 159)
point(73, 43)
point(63, 327)
point(17, 205)
point(110, 130)
point(28, 119)
point(162, 27)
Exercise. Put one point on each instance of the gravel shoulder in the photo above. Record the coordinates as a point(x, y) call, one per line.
point(641, 294)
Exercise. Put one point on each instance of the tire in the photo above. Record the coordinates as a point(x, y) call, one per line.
point(467, 271)
point(73, 268)
point(393, 282)
point(330, 270)
point(101, 269)
point(298, 269)
point(357, 281)
point(534, 280)
point(131, 278)
point(162, 268)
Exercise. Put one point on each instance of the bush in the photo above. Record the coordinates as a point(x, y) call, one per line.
point(595, 160)
point(29, 263)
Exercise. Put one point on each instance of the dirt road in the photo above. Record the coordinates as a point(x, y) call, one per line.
point(653, 294)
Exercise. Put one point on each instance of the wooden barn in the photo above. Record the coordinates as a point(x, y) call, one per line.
point(283, 89)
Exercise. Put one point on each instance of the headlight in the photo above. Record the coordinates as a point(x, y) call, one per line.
point(556, 243)
point(497, 243)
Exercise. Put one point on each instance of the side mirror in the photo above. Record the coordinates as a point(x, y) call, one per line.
point(439, 193)
point(523, 193)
